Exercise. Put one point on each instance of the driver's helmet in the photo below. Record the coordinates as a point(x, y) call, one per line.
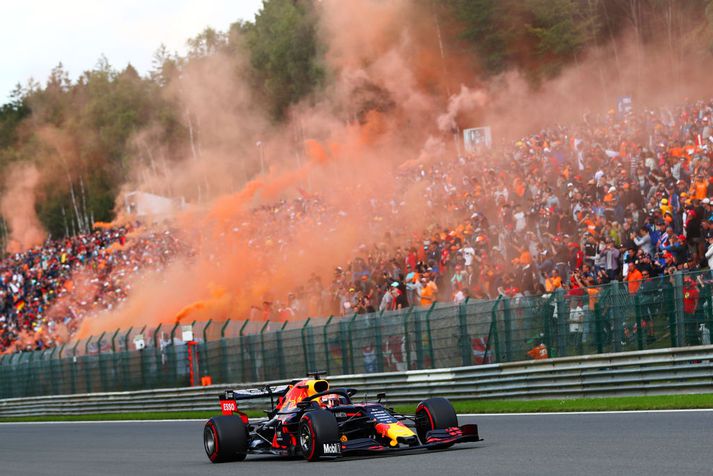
point(329, 401)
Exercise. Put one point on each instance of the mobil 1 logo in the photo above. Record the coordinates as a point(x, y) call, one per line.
point(331, 448)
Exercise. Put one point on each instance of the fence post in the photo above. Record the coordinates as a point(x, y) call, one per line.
point(709, 315)
point(87, 362)
point(114, 369)
point(379, 344)
point(463, 337)
point(614, 314)
point(326, 344)
point(407, 339)
point(126, 373)
point(113, 340)
point(418, 338)
point(172, 358)
point(56, 382)
point(639, 329)
point(507, 323)
point(5, 372)
point(46, 371)
point(678, 302)
point(263, 356)
point(547, 331)
point(431, 353)
point(562, 317)
point(157, 354)
point(126, 340)
point(28, 379)
point(142, 361)
point(308, 363)
point(351, 342)
point(62, 373)
point(74, 368)
point(344, 344)
point(493, 332)
point(280, 351)
point(243, 367)
point(100, 363)
point(598, 327)
point(205, 367)
point(225, 366)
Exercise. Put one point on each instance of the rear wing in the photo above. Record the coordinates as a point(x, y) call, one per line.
point(253, 393)
point(229, 399)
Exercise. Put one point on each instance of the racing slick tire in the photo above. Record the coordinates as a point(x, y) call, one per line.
point(434, 414)
point(319, 435)
point(225, 438)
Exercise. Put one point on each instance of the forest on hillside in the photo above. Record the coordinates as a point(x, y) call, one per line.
point(82, 138)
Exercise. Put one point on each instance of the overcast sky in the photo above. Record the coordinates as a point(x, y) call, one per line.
point(35, 35)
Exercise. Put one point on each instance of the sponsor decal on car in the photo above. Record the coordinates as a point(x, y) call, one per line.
point(331, 448)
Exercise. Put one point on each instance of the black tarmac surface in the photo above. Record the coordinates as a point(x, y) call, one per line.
point(670, 443)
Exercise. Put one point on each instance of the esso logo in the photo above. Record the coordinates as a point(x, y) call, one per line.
point(229, 406)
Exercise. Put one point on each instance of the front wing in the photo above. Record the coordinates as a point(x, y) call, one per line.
point(434, 439)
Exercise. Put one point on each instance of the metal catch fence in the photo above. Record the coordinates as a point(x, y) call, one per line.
point(669, 311)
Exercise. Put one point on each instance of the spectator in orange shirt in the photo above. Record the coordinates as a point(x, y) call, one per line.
point(634, 278)
point(699, 188)
point(553, 282)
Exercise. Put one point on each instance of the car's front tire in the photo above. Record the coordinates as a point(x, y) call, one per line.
point(319, 432)
point(225, 438)
point(434, 414)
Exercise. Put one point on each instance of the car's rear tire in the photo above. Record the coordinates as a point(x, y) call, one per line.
point(317, 429)
point(434, 414)
point(225, 438)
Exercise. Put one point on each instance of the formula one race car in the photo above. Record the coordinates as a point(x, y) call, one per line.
point(312, 420)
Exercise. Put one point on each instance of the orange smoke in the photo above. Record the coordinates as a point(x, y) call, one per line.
point(395, 100)
point(17, 206)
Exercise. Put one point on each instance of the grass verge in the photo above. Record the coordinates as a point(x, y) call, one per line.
point(658, 402)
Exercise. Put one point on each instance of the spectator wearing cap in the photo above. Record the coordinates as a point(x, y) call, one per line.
point(402, 301)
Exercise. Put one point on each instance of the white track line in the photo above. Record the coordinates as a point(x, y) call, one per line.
point(95, 421)
point(613, 412)
point(618, 412)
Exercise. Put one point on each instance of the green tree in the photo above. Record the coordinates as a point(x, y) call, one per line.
point(206, 43)
point(488, 29)
point(11, 116)
point(284, 53)
point(559, 30)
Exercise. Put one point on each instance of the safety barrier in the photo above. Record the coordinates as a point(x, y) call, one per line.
point(651, 372)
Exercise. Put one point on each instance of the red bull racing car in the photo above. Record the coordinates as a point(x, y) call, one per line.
point(312, 420)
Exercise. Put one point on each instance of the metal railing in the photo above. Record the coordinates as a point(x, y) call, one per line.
point(651, 372)
point(660, 313)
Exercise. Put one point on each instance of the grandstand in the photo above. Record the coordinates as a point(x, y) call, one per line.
point(622, 197)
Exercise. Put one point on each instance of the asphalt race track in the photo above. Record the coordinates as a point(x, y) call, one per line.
point(666, 443)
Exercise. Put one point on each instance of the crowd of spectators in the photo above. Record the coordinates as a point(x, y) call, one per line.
point(616, 197)
point(47, 290)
